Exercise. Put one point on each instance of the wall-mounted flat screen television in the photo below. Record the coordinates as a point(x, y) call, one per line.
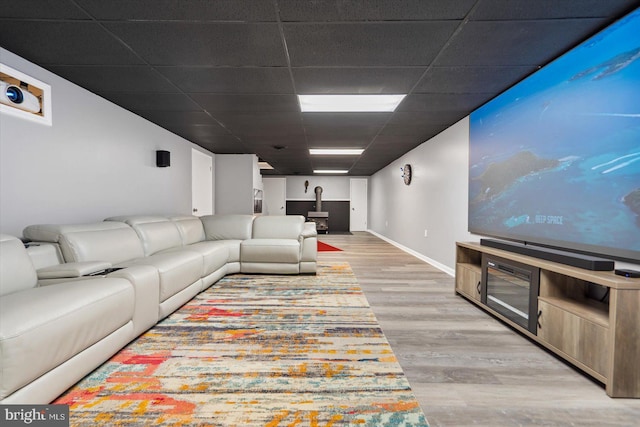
point(555, 160)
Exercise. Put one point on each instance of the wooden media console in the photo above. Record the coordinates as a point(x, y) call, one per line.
point(600, 338)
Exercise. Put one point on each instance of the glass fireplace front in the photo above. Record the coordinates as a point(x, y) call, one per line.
point(511, 289)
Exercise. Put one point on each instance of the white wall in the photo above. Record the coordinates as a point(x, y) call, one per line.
point(236, 175)
point(435, 201)
point(96, 160)
point(334, 188)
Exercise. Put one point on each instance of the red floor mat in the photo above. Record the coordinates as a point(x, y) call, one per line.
point(323, 247)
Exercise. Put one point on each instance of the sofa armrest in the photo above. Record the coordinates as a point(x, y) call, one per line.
point(309, 230)
point(72, 269)
point(309, 243)
point(146, 285)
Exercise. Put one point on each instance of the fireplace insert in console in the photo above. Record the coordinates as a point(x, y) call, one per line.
point(511, 289)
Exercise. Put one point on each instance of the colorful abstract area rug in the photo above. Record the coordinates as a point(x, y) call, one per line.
point(256, 350)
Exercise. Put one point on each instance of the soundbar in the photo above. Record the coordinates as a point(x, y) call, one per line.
point(576, 260)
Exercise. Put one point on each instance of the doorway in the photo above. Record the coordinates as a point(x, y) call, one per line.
point(275, 194)
point(201, 183)
point(358, 204)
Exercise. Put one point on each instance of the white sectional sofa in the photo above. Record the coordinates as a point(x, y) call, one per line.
point(79, 293)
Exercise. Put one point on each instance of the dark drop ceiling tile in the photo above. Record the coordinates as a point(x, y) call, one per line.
point(247, 103)
point(441, 102)
point(321, 126)
point(414, 118)
point(351, 80)
point(288, 144)
point(221, 144)
point(64, 43)
point(343, 120)
point(515, 43)
point(358, 170)
point(373, 10)
point(360, 140)
point(339, 135)
point(419, 132)
point(294, 169)
point(41, 9)
point(104, 78)
point(202, 131)
point(342, 162)
point(209, 133)
point(472, 79)
point(392, 142)
point(229, 80)
point(298, 164)
point(290, 154)
point(152, 101)
point(549, 9)
point(203, 43)
point(262, 124)
point(266, 129)
point(179, 118)
point(371, 44)
point(183, 10)
point(372, 164)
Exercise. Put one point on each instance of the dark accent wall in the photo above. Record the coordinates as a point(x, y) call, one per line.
point(338, 212)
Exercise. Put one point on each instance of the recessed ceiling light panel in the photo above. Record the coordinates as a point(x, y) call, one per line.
point(329, 171)
point(336, 151)
point(349, 103)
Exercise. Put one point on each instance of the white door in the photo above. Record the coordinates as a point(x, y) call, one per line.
point(201, 183)
point(358, 213)
point(275, 196)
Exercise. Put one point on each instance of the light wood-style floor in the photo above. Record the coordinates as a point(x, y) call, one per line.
point(466, 368)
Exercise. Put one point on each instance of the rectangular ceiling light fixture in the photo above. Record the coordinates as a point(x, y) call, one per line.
point(335, 151)
point(330, 171)
point(349, 103)
point(264, 165)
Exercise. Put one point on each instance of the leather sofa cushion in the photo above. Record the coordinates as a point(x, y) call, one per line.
point(158, 236)
point(270, 251)
point(41, 328)
point(234, 250)
point(215, 254)
point(113, 246)
point(113, 242)
point(233, 247)
point(176, 270)
point(227, 227)
point(190, 228)
point(156, 233)
point(16, 269)
point(278, 227)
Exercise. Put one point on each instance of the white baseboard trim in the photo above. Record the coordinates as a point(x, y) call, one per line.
point(451, 272)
